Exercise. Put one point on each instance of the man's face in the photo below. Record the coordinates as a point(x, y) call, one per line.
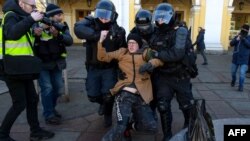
point(58, 17)
point(27, 5)
point(133, 46)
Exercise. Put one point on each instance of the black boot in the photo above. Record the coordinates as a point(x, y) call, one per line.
point(186, 114)
point(41, 134)
point(108, 102)
point(101, 110)
point(166, 121)
point(7, 139)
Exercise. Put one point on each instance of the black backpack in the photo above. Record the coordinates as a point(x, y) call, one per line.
point(189, 60)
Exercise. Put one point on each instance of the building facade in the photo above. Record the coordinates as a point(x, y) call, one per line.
point(222, 19)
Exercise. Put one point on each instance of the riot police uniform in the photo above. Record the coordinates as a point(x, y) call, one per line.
point(143, 25)
point(169, 45)
point(101, 76)
point(145, 29)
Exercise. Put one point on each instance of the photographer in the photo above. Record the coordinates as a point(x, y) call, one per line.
point(50, 45)
point(16, 30)
point(241, 52)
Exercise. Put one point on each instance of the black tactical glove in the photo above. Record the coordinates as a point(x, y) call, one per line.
point(146, 67)
point(151, 54)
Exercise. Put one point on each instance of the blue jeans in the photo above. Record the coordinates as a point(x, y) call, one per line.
point(126, 104)
point(243, 70)
point(51, 84)
point(100, 81)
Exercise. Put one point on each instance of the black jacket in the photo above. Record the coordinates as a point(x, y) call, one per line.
point(18, 22)
point(50, 51)
point(90, 29)
point(170, 45)
point(200, 40)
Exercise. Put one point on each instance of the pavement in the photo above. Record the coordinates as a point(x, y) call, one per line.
point(82, 123)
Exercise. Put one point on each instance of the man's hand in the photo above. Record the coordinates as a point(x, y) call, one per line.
point(147, 67)
point(238, 38)
point(103, 36)
point(36, 16)
point(38, 31)
point(53, 31)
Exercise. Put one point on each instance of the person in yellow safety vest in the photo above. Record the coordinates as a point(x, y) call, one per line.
point(17, 25)
point(50, 47)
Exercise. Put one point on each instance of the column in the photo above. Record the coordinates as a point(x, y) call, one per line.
point(135, 5)
point(122, 8)
point(226, 24)
point(195, 20)
point(213, 25)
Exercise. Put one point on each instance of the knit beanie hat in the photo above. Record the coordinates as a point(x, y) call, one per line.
point(52, 10)
point(137, 38)
point(246, 27)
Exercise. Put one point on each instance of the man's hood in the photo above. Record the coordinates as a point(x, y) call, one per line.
point(12, 5)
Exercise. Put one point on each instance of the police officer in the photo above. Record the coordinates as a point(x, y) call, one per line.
point(169, 45)
point(50, 46)
point(17, 25)
point(101, 76)
point(143, 26)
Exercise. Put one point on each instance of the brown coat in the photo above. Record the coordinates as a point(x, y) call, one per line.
point(130, 64)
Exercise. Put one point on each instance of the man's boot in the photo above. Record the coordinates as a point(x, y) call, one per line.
point(186, 114)
point(166, 121)
point(41, 134)
point(108, 102)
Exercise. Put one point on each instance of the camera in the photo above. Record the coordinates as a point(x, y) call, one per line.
point(58, 26)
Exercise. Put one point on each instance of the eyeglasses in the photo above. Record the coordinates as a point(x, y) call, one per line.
point(132, 43)
point(31, 5)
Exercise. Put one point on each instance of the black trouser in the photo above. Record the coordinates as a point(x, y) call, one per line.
point(126, 104)
point(202, 52)
point(165, 86)
point(23, 95)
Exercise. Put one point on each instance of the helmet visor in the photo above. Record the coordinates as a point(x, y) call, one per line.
point(103, 13)
point(162, 16)
point(143, 27)
point(142, 20)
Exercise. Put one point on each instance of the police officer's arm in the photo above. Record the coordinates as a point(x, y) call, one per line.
point(66, 38)
point(14, 29)
point(83, 30)
point(177, 52)
point(154, 61)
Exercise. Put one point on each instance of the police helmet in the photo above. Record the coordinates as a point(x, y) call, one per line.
point(105, 9)
point(143, 21)
point(164, 12)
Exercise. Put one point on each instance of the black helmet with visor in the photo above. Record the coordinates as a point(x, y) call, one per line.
point(105, 9)
point(143, 21)
point(165, 13)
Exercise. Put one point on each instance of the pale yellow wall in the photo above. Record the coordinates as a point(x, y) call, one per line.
point(198, 19)
point(132, 12)
point(202, 13)
point(70, 13)
point(225, 30)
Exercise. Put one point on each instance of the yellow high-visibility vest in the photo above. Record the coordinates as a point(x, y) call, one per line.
point(15, 47)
